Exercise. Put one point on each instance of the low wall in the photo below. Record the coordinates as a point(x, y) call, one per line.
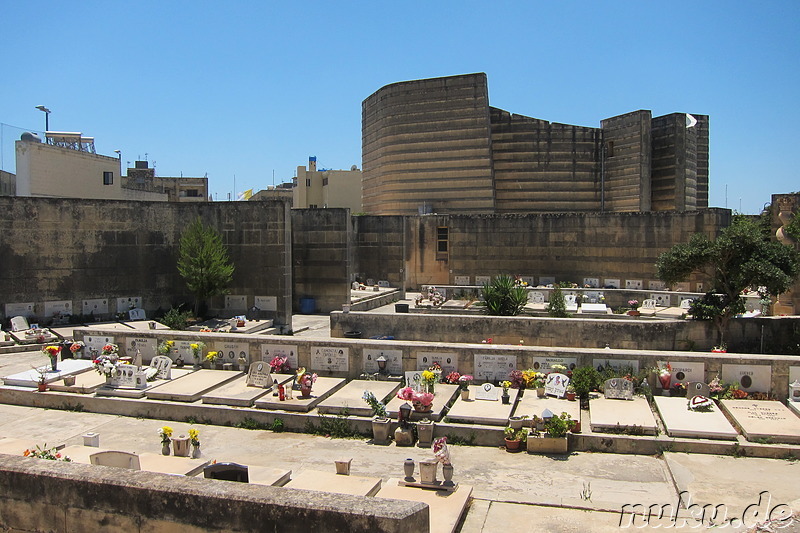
point(41, 495)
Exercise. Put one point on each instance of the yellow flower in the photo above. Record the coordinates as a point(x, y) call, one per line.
point(170, 343)
point(166, 431)
point(194, 346)
point(428, 376)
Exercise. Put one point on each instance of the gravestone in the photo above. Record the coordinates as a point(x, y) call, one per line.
point(260, 375)
point(23, 309)
point(483, 280)
point(382, 283)
point(697, 388)
point(591, 282)
point(330, 359)
point(764, 420)
point(657, 285)
point(61, 307)
point(19, 323)
point(394, 361)
point(618, 389)
point(448, 361)
point(545, 364)
point(633, 284)
point(288, 351)
point(148, 346)
point(527, 279)
point(662, 300)
point(95, 306)
point(413, 379)
point(547, 280)
point(163, 366)
point(493, 367)
point(619, 365)
point(488, 392)
point(231, 351)
point(556, 384)
point(137, 314)
point(684, 371)
point(267, 303)
point(683, 286)
point(535, 297)
point(611, 283)
point(461, 280)
point(124, 304)
point(750, 378)
point(128, 377)
point(94, 345)
point(235, 302)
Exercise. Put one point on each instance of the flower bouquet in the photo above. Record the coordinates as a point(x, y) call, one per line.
point(664, 374)
point(280, 365)
point(701, 404)
point(452, 378)
point(77, 346)
point(306, 380)
point(165, 432)
point(46, 453)
point(197, 351)
point(52, 352)
point(422, 401)
point(110, 349)
point(165, 347)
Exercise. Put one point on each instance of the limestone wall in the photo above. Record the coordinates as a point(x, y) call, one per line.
point(42, 495)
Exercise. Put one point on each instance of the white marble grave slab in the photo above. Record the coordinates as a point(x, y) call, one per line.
point(147, 346)
point(545, 364)
point(236, 302)
point(30, 378)
point(447, 360)
point(330, 359)
point(237, 393)
point(267, 303)
point(594, 309)
point(794, 407)
point(394, 360)
point(96, 306)
point(482, 411)
point(685, 371)
point(104, 390)
point(131, 302)
point(191, 387)
point(631, 416)
point(751, 378)
point(633, 284)
point(94, 345)
point(289, 351)
point(530, 405)
point(231, 351)
point(493, 367)
point(662, 300)
point(619, 365)
point(446, 508)
point(62, 307)
point(682, 422)
point(763, 419)
point(349, 398)
point(591, 282)
point(323, 388)
point(442, 395)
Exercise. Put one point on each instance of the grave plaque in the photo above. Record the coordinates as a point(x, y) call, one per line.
point(259, 375)
point(483, 280)
point(94, 345)
point(656, 286)
point(633, 284)
point(267, 303)
point(487, 391)
point(128, 377)
point(448, 361)
point(235, 302)
point(230, 352)
point(764, 420)
point(184, 350)
point(618, 389)
point(619, 365)
point(96, 306)
point(126, 304)
point(382, 283)
point(20, 309)
point(163, 366)
point(697, 388)
point(19, 323)
point(535, 297)
point(394, 361)
point(414, 379)
point(527, 279)
point(794, 373)
point(556, 384)
point(547, 280)
point(545, 364)
point(494, 367)
point(750, 378)
point(330, 359)
point(461, 280)
point(662, 300)
point(61, 307)
point(682, 286)
point(611, 283)
point(684, 372)
point(289, 351)
point(591, 282)
point(147, 346)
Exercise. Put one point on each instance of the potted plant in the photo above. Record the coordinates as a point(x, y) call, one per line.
point(634, 305)
point(571, 392)
point(210, 359)
point(41, 383)
point(380, 419)
point(554, 440)
point(516, 422)
point(584, 379)
point(306, 380)
point(505, 397)
point(514, 438)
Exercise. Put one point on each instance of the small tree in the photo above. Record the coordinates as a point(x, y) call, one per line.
point(203, 262)
point(503, 297)
point(742, 257)
point(558, 305)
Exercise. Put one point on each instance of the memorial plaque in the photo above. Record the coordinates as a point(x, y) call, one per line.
point(163, 366)
point(611, 283)
point(487, 391)
point(394, 361)
point(591, 282)
point(20, 309)
point(493, 367)
point(618, 389)
point(483, 280)
point(382, 283)
point(461, 280)
point(60, 307)
point(683, 371)
point(683, 286)
point(236, 302)
point(94, 345)
point(536, 297)
point(96, 306)
point(656, 286)
point(447, 360)
point(697, 388)
point(764, 419)
point(414, 379)
point(259, 375)
point(662, 300)
point(147, 346)
point(527, 279)
point(128, 377)
point(126, 304)
point(556, 384)
point(794, 373)
point(184, 350)
point(267, 303)
point(750, 378)
point(547, 280)
point(19, 323)
point(633, 284)
point(330, 359)
point(289, 351)
point(230, 352)
point(545, 364)
point(619, 365)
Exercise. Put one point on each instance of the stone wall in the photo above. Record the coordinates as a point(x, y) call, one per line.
point(379, 248)
point(625, 162)
point(67, 249)
point(41, 495)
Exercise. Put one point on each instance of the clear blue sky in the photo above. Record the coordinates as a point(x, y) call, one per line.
point(247, 88)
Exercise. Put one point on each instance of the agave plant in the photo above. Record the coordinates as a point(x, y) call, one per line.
point(504, 297)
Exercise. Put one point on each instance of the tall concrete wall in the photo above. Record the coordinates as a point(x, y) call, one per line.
point(625, 162)
point(379, 244)
point(68, 249)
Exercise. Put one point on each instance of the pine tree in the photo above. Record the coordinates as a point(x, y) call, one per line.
point(204, 262)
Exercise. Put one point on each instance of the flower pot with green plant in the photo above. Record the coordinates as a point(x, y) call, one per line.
point(554, 439)
point(571, 392)
point(381, 424)
point(506, 398)
point(584, 380)
point(514, 438)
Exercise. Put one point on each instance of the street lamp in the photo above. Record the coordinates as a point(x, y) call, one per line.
point(46, 112)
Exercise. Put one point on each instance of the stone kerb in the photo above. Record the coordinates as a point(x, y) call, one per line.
point(135, 500)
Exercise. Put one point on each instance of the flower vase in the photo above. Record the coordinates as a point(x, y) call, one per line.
point(408, 470)
point(41, 387)
point(665, 379)
point(506, 398)
point(305, 391)
point(465, 394)
point(420, 407)
point(447, 472)
point(165, 448)
point(540, 392)
point(196, 452)
point(54, 363)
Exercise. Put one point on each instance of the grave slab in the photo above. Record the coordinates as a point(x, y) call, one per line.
point(794, 407)
point(682, 422)
point(85, 383)
point(238, 394)
point(442, 395)
point(349, 397)
point(764, 419)
point(446, 507)
point(336, 483)
point(140, 393)
point(632, 416)
point(323, 388)
point(14, 446)
point(191, 387)
point(30, 378)
point(492, 413)
point(530, 405)
point(150, 462)
point(268, 475)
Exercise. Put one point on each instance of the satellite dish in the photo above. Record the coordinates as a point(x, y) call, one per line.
point(354, 167)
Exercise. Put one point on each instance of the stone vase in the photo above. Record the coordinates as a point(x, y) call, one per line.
point(165, 448)
point(180, 446)
point(447, 473)
point(69, 381)
point(196, 452)
point(465, 394)
point(427, 471)
point(408, 470)
point(540, 392)
point(380, 430)
point(425, 434)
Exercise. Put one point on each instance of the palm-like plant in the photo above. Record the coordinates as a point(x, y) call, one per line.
point(503, 297)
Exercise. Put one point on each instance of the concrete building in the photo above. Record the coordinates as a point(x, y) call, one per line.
point(284, 191)
point(436, 145)
point(327, 188)
point(183, 189)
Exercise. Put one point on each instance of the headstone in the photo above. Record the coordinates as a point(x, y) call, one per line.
point(527, 279)
point(95, 306)
point(267, 303)
point(231, 351)
point(684, 371)
point(447, 360)
point(591, 282)
point(23, 309)
point(764, 419)
point(137, 359)
point(61, 307)
point(163, 366)
point(146, 345)
point(235, 302)
point(94, 345)
point(289, 351)
point(619, 365)
point(545, 364)
point(394, 361)
point(259, 375)
point(556, 384)
point(618, 389)
point(483, 280)
point(493, 367)
point(633, 284)
point(487, 391)
point(184, 350)
point(137, 314)
point(128, 377)
point(682, 286)
point(461, 280)
point(535, 297)
point(331, 359)
point(414, 379)
point(611, 283)
point(383, 284)
point(697, 388)
point(662, 300)
point(547, 280)
point(750, 378)
point(125, 304)
point(370, 282)
point(19, 323)
point(656, 285)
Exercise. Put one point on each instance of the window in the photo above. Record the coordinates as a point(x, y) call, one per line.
point(324, 182)
point(312, 206)
point(193, 193)
point(442, 234)
point(308, 182)
point(108, 178)
point(610, 149)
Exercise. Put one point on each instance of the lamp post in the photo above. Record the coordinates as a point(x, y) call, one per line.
point(381, 364)
point(46, 112)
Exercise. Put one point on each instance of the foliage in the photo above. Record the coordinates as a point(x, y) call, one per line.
point(585, 379)
point(557, 307)
point(520, 434)
point(204, 262)
point(277, 425)
point(558, 426)
point(793, 228)
point(176, 319)
point(741, 257)
point(250, 423)
point(337, 427)
point(378, 409)
point(46, 453)
point(504, 297)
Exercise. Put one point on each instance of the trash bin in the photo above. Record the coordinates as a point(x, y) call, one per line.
point(401, 308)
point(308, 306)
point(352, 334)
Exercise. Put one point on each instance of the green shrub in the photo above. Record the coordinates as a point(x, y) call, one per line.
point(503, 297)
point(176, 319)
point(557, 307)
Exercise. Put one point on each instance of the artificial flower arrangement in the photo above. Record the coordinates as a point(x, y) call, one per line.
point(428, 378)
point(194, 437)
point(424, 399)
point(110, 349)
point(505, 384)
point(197, 350)
point(46, 453)
point(378, 408)
point(700, 403)
point(51, 351)
point(453, 378)
point(165, 347)
point(561, 369)
point(305, 379)
point(633, 304)
point(211, 357)
point(440, 451)
point(165, 432)
point(77, 346)
point(464, 381)
point(715, 387)
point(106, 365)
point(280, 364)
point(516, 380)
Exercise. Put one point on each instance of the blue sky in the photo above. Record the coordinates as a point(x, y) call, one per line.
point(247, 88)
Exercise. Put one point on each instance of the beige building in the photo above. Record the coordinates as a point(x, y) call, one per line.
point(142, 178)
point(327, 188)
